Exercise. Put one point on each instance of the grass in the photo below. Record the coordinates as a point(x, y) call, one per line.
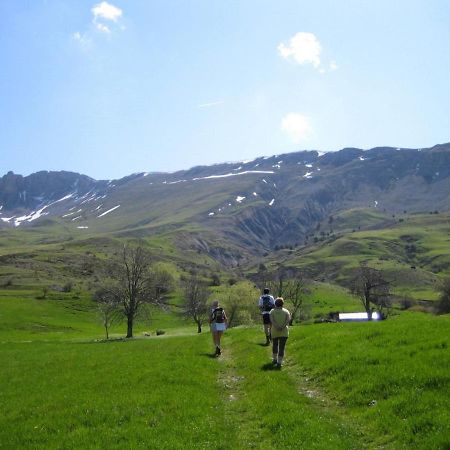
point(344, 386)
point(134, 394)
point(392, 376)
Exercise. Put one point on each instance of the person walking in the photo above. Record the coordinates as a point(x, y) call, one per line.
point(266, 303)
point(218, 322)
point(280, 318)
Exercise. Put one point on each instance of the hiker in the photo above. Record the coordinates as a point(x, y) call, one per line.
point(218, 323)
point(266, 304)
point(279, 318)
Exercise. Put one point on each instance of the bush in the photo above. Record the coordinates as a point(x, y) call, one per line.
point(8, 282)
point(160, 332)
point(443, 304)
point(406, 303)
point(68, 286)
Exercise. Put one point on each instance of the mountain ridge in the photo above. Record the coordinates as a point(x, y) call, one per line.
point(247, 207)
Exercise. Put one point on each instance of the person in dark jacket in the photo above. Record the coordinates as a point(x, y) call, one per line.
point(218, 323)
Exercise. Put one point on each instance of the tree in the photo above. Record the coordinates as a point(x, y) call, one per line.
point(240, 302)
point(262, 276)
point(108, 307)
point(134, 283)
point(215, 280)
point(443, 305)
point(372, 289)
point(295, 291)
point(195, 301)
point(276, 281)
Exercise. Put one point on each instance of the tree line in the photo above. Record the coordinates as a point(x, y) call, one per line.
point(133, 281)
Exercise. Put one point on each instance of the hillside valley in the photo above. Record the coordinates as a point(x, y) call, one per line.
point(319, 213)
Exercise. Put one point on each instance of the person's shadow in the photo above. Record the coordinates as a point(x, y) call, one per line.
point(269, 366)
point(209, 355)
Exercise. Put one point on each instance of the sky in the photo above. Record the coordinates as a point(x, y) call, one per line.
point(112, 88)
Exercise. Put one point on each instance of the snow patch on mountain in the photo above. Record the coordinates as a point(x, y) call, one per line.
point(271, 202)
point(239, 199)
point(37, 214)
point(246, 172)
point(109, 210)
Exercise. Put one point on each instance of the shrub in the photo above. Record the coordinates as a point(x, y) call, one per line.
point(406, 303)
point(443, 304)
point(68, 286)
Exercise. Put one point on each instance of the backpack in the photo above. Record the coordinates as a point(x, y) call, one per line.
point(218, 315)
point(267, 303)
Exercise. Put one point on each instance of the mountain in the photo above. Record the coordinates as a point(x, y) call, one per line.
point(234, 211)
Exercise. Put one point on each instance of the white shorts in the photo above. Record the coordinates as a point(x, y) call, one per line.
point(218, 327)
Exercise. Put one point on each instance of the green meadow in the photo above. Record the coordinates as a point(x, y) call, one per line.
point(380, 385)
point(343, 386)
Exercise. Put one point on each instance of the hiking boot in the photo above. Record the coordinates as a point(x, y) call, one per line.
point(278, 366)
point(274, 361)
point(267, 340)
point(218, 351)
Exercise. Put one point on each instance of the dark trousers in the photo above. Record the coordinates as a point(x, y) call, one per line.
point(278, 345)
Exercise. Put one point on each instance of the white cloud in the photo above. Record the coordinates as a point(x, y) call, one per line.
point(82, 39)
point(103, 28)
point(303, 48)
point(105, 10)
point(333, 65)
point(102, 12)
point(297, 127)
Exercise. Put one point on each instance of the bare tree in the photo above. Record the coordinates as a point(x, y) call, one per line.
point(195, 301)
point(372, 289)
point(277, 282)
point(108, 307)
point(294, 291)
point(135, 283)
point(262, 277)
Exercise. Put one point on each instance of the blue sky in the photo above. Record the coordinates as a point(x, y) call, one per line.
point(112, 88)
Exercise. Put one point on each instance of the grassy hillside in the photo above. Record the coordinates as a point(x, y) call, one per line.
point(413, 251)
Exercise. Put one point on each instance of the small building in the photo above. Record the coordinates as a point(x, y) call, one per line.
point(359, 317)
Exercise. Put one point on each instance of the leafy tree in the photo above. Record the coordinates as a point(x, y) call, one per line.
point(195, 301)
point(240, 303)
point(215, 280)
point(372, 289)
point(443, 305)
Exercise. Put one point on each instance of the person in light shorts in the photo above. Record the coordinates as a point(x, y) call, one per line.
point(218, 324)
